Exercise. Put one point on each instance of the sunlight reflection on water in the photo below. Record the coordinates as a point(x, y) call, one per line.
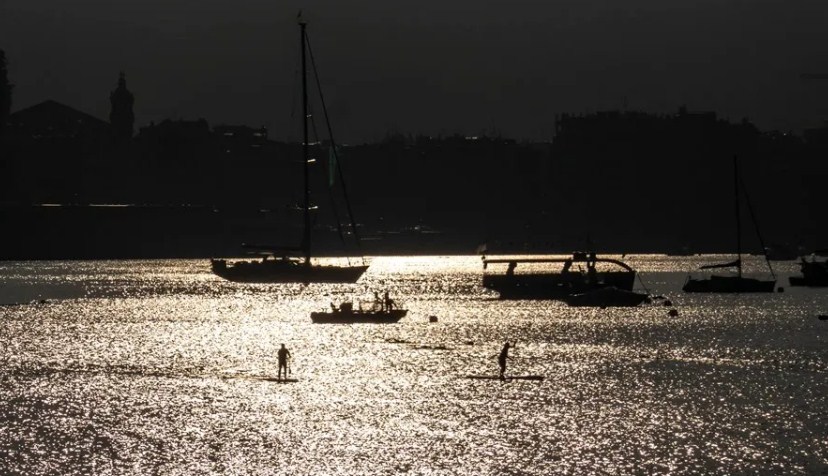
point(155, 367)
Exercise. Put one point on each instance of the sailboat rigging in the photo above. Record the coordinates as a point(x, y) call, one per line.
point(738, 283)
point(277, 265)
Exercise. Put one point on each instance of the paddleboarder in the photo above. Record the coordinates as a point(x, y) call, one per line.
point(284, 355)
point(501, 360)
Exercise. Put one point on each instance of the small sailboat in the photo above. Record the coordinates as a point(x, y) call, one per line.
point(278, 264)
point(737, 283)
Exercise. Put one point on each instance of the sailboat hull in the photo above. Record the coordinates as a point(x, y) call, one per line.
point(285, 271)
point(728, 284)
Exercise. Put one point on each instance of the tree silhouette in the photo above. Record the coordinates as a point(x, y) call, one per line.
point(5, 91)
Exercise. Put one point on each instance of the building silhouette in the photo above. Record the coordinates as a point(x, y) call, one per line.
point(121, 116)
point(625, 181)
point(51, 120)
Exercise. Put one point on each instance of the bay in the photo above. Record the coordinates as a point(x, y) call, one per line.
point(160, 367)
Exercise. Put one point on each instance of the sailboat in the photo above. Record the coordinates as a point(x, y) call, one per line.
point(737, 283)
point(277, 264)
point(814, 271)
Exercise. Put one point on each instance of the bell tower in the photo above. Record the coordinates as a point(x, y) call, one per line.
point(121, 116)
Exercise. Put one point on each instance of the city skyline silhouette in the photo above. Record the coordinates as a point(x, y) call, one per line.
point(427, 68)
point(477, 178)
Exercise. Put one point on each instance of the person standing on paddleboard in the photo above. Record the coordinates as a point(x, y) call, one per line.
point(284, 355)
point(501, 360)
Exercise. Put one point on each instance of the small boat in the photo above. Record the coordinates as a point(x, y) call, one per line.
point(346, 314)
point(814, 271)
point(607, 297)
point(271, 269)
point(545, 282)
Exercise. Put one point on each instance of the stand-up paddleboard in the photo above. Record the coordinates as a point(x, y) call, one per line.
point(507, 377)
point(261, 378)
point(277, 380)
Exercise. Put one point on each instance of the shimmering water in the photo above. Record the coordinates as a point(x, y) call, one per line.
point(149, 367)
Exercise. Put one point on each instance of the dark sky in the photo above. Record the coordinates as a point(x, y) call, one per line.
point(432, 66)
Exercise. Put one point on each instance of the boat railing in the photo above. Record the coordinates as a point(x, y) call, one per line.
point(366, 305)
point(575, 258)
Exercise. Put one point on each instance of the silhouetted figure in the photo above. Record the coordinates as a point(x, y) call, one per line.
point(387, 302)
point(121, 116)
point(377, 302)
point(511, 269)
point(592, 274)
point(501, 359)
point(284, 355)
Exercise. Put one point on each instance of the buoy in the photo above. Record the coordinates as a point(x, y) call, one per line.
point(780, 289)
point(673, 313)
point(432, 318)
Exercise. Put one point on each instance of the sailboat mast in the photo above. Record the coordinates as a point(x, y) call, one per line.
point(738, 220)
point(306, 238)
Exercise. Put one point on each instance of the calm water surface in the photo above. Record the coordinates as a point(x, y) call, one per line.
point(152, 367)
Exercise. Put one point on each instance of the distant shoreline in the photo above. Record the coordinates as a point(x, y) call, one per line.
point(117, 231)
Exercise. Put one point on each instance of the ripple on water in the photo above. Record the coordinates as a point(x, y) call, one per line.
point(151, 368)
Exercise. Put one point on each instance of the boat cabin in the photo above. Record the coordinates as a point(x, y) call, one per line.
point(555, 277)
